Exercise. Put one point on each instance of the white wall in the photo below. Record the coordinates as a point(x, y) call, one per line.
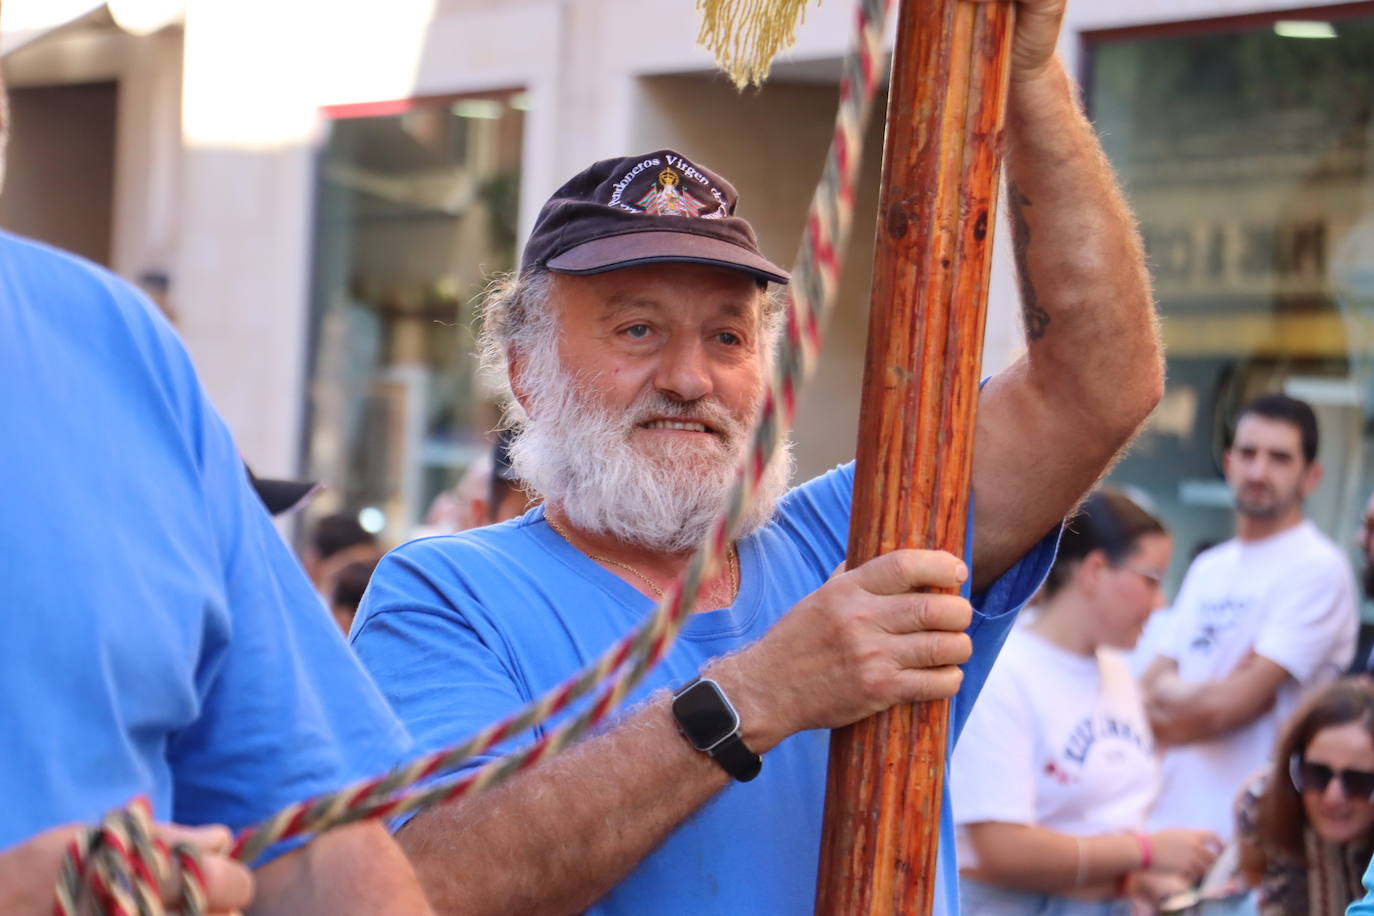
point(148, 159)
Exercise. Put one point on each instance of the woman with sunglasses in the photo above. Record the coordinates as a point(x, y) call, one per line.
point(1055, 770)
point(1307, 827)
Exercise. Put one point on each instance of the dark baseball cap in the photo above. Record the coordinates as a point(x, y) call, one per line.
point(655, 208)
point(282, 496)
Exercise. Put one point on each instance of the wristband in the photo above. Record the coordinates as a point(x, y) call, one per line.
point(1146, 856)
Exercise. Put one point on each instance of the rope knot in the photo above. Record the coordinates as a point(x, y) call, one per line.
point(121, 868)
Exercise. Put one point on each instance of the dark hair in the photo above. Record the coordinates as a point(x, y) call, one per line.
point(1108, 521)
point(351, 582)
point(503, 476)
point(335, 532)
point(1280, 817)
point(1288, 410)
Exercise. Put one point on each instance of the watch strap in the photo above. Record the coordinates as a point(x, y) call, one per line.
point(735, 758)
point(730, 753)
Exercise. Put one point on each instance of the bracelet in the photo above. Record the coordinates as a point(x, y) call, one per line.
point(1146, 854)
point(1080, 870)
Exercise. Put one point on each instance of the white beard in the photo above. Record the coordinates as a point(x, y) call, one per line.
point(575, 452)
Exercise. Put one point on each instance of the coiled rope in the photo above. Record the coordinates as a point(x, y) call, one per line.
point(122, 856)
point(121, 868)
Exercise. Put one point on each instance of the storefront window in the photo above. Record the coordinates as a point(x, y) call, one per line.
point(416, 210)
point(1247, 149)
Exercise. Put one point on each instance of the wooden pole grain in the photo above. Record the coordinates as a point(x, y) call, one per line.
point(941, 162)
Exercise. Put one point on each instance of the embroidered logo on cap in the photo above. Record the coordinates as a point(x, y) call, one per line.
point(667, 199)
point(678, 189)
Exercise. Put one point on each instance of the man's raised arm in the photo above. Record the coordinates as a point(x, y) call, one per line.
point(1051, 424)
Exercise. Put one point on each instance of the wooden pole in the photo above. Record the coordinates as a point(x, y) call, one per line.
point(941, 162)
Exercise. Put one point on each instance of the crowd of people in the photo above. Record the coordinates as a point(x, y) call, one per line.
point(164, 642)
point(1244, 749)
point(340, 555)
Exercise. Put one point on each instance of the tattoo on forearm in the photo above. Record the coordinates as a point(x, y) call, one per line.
point(1034, 315)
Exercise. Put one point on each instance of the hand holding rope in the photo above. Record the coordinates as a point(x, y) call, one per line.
point(121, 868)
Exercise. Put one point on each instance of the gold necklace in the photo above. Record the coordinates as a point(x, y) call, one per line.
point(731, 559)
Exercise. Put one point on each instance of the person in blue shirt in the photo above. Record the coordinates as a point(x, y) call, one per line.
point(1365, 905)
point(636, 338)
point(160, 639)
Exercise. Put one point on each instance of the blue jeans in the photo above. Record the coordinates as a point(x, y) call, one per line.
point(978, 899)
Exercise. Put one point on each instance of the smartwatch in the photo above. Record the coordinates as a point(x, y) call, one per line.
point(706, 718)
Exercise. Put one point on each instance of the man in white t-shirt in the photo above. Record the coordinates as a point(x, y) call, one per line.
point(1260, 620)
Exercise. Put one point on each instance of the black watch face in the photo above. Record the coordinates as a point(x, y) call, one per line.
point(704, 714)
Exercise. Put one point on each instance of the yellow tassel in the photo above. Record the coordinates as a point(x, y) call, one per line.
point(745, 35)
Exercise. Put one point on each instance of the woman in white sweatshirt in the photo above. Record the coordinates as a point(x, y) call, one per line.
point(1055, 770)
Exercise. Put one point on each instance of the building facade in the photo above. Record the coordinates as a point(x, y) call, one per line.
point(318, 193)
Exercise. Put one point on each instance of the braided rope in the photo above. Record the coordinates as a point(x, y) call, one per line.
point(120, 868)
point(815, 280)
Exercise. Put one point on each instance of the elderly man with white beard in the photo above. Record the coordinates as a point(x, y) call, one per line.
point(636, 337)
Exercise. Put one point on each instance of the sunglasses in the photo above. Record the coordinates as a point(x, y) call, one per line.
point(1357, 785)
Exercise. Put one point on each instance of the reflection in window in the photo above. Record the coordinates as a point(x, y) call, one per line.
point(1248, 155)
point(416, 210)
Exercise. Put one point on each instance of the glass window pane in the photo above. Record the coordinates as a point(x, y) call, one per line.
point(415, 212)
point(1248, 154)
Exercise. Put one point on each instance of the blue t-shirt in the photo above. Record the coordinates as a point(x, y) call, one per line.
point(461, 630)
point(159, 638)
point(1365, 905)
